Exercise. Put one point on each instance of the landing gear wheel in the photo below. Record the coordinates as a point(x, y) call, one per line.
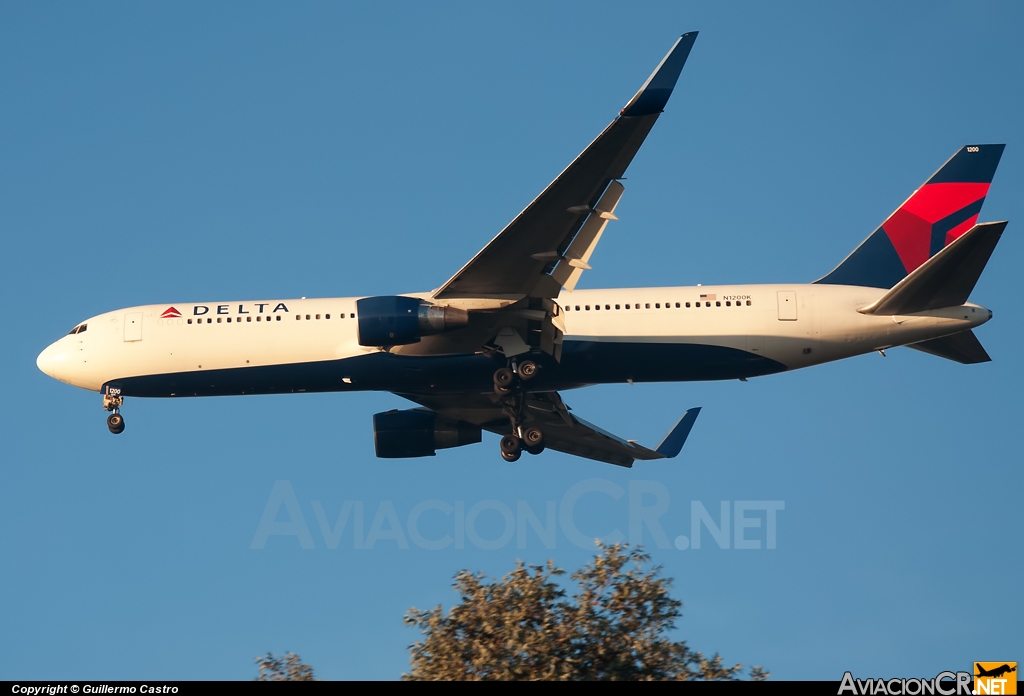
point(526, 369)
point(534, 450)
point(533, 437)
point(503, 378)
point(511, 456)
point(115, 423)
point(511, 448)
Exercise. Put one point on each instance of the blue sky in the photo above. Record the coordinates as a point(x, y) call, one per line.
point(185, 152)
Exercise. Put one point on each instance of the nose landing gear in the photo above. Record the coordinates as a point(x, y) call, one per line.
point(112, 401)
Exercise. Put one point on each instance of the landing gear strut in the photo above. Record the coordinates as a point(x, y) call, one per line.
point(528, 438)
point(115, 421)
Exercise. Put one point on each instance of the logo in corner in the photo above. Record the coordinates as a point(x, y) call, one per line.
point(995, 678)
point(170, 313)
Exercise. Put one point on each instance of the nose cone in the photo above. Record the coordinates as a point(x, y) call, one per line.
point(47, 361)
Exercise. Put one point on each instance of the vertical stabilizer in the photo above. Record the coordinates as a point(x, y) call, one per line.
point(943, 209)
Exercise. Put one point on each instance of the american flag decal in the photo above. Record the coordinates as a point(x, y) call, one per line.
point(712, 296)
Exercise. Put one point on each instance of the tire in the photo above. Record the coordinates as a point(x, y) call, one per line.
point(533, 450)
point(533, 437)
point(527, 369)
point(510, 444)
point(115, 423)
point(511, 456)
point(504, 377)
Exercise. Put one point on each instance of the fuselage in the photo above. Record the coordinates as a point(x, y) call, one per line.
point(613, 335)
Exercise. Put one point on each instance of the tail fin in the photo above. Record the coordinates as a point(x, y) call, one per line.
point(943, 209)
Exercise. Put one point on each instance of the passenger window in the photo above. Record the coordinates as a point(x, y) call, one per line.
point(218, 320)
point(248, 318)
point(607, 306)
point(627, 306)
point(279, 317)
point(728, 304)
point(748, 303)
point(327, 316)
point(229, 320)
point(657, 305)
point(577, 308)
point(687, 305)
point(317, 316)
point(189, 321)
point(587, 307)
point(677, 305)
point(707, 304)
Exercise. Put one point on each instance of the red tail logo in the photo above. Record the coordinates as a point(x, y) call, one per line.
point(170, 313)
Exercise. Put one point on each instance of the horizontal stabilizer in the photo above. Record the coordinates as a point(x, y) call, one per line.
point(946, 279)
point(963, 347)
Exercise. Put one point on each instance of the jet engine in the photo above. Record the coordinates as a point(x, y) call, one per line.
point(418, 432)
point(398, 321)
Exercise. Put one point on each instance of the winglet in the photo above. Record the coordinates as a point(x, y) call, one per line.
point(674, 441)
point(653, 96)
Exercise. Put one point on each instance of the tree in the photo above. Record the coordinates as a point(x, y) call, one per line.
point(288, 667)
point(614, 626)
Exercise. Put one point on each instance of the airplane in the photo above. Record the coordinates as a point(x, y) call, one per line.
point(995, 672)
point(494, 346)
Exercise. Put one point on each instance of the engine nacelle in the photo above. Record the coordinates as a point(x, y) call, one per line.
point(419, 432)
point(398, 321)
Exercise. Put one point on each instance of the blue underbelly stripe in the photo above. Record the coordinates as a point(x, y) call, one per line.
point(583, 362)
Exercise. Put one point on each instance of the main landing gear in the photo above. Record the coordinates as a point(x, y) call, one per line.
point(115, 421)
point(508, 384)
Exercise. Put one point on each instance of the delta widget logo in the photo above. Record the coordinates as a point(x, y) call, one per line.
point(170, 313)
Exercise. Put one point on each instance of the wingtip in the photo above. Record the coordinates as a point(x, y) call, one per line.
point(673, 443)
point(655, 92)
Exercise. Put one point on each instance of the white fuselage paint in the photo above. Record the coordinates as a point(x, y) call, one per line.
point(826, 327)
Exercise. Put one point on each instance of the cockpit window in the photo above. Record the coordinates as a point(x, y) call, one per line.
point(82, 328)
point(78, 329)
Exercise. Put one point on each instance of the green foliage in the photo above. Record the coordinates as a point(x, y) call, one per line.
point(288, 667)
point(614, 626)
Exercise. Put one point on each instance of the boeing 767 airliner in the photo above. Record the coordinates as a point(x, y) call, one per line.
point(493, 346)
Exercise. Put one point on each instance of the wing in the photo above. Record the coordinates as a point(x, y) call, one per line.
point(562, 430)
point(535, 255)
